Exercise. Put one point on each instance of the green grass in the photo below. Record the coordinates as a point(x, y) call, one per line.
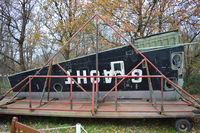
point(99, 125)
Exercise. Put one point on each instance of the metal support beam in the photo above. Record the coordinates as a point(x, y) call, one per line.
point(30, 93)
point(93, 97)
point(49, 80)
point(97, 61)
point(45, 84)
point(70, 95)
point(116, 95)
point(162, 96)
point(150, 83)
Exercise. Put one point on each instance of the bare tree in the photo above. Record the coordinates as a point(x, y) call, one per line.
point(17, 15)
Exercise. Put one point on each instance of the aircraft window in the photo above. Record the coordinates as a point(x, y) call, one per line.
point(176, 60)
point(117, 66)
point(168, 86)
point(57, 87)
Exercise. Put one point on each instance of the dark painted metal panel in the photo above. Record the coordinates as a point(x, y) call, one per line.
point(161, 58)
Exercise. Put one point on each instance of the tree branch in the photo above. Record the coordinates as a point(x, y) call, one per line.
point(9, 57)
point(195, 36)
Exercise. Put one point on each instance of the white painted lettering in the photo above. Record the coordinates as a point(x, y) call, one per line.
point(117, 68)
point(68, 81)
point(92, 73)
point(108, 73)
point(137, 72)
point(79, 79)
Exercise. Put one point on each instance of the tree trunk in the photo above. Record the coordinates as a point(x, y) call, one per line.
point(67, 49)
point(21, 57)
point(140, 20)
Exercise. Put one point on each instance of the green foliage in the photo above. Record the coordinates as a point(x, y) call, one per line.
point(4, 83)
point(194, 90)
point(192, 84)
point(192, 75)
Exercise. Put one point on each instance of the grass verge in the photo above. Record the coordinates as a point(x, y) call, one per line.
point(99, 125)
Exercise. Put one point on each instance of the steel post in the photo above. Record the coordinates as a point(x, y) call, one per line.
point(71, 106)
point(97, 58)
point(162, 96)
point(30, 93)
point(116, 95)
point(93, 97)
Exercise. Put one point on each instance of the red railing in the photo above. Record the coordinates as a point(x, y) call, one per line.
point(93, 97)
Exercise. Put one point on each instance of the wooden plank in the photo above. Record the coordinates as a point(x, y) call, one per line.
point(26, 128)
point(17, 127)
point(61, 108)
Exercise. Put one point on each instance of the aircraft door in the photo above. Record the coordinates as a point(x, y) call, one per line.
point(117, 68)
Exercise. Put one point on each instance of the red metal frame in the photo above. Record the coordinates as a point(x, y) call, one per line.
point(131, 103)
point(92, 110)
point(95, 88)
point(74, 80)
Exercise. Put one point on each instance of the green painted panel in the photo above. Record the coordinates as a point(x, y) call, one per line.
point(170, 38)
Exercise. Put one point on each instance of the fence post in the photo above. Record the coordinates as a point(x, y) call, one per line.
point(78, 128)
point(13, 128)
